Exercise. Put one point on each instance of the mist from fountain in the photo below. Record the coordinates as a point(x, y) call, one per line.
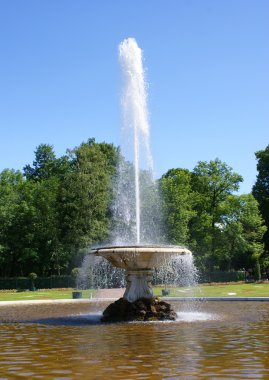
point(177, 271)
point(98, 273)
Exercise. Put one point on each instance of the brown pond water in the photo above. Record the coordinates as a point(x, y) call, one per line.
point(220, 340)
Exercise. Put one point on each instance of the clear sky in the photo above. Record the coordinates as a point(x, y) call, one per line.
point(207, 65)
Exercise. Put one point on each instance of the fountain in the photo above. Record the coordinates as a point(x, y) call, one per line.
point(138, 302)
point(64, 339)
point(139, 259)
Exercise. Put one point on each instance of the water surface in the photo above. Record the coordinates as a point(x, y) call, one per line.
point(221, 340)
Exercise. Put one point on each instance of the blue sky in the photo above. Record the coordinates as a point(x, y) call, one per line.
point(206, 64)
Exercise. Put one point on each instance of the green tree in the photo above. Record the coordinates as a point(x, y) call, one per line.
point(177, 204)
point(43, 164)
point(261, 191)
point(16, 216)
point(86, 194)
point(211, 183)
point(60, 207)
point(46, 164)
point(241, 234)
point(47, 227)
point(45, 178)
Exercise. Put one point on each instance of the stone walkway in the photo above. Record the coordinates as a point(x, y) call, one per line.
point(110, 293)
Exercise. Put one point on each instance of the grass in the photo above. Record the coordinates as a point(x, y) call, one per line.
point(205, 290)
point(220, 290)
point(43, 294)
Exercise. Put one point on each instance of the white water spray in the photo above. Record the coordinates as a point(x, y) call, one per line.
point(135, 114)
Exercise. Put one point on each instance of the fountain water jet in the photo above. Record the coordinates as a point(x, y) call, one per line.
point(135, 112)
point(138, 260)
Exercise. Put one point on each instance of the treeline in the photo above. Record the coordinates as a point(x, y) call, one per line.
point(53, 211)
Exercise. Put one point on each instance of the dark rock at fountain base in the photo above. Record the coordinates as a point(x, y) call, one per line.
point(141, 310)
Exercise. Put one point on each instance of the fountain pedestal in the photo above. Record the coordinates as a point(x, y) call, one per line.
point(138, 285)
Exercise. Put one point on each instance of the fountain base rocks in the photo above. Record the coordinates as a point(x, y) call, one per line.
point(138, 303)
point(143, 309)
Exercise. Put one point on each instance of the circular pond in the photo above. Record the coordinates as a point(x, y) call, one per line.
point(210, 340)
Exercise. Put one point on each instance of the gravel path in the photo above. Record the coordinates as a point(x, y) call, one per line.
point(110, 293)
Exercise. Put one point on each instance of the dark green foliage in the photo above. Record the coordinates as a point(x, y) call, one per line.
point(24, 283)
point(261, 191)
point(242, 232)
point(44, 163)
point(59, 208)
point(222, 276)
point(32, 276)
point(211, 184)
point(16, 219)
point(85, 195)
point(52, 213)
point(223, 230)
point(177, 198)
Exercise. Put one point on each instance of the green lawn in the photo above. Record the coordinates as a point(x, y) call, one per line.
point(46, 294)
point(210, 290)
point(220, 290)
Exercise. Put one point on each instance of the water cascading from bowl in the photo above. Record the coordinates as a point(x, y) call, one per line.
point(139, 262)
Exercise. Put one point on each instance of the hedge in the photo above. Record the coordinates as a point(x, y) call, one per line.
point(221, 276)
point(21, 283)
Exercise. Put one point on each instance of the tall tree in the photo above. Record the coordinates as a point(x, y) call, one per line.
point(16, 220)
point(45, 177)
point(46, 226)
point(85, 196)
point(212, 183)
point(261, 190)
point(177, 204)
point(241, 233)
point(46, 165)
point(43, 164)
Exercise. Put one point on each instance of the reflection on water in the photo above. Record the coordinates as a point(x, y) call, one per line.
point(188, 316)
point(234, 345)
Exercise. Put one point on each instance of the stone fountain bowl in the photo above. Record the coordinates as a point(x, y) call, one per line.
point(139, 257)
